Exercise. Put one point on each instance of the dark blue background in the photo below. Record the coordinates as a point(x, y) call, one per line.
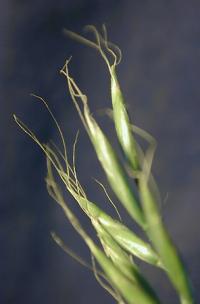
point(159, 75)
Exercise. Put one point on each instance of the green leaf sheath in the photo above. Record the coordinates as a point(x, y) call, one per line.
point(122, 123)
point(164, 245)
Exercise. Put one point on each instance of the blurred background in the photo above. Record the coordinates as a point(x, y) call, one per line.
point(159, 75)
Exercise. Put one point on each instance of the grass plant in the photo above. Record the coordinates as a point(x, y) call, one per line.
point(118, 245)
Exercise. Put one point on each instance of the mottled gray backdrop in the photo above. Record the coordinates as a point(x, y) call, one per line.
point(160, 78)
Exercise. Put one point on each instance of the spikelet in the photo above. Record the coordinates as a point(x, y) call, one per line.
point(115, 173)
point(126, 238)
point(129, 283)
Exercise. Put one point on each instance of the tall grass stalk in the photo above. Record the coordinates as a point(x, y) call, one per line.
point(119, 245)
